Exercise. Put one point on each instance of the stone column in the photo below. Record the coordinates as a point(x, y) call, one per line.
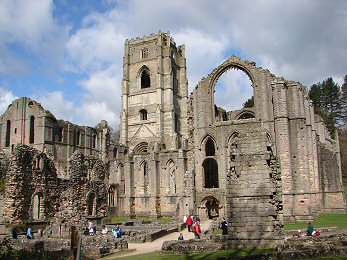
point(282, 136)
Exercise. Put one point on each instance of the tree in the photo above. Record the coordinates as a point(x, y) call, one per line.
point(343, 99)
point(326, 97)
point(249, 103)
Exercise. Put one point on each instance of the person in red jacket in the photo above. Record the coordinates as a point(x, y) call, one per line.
point(189, 222)
point(197, 229)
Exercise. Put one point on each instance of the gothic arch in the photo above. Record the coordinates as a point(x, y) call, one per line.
point(112, 198)
point(141, 148)
point(91, 203)
point(171, 179)
point(144, 77)
point(204, 139)
point(210, 206)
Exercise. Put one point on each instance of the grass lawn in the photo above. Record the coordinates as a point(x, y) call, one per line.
point(206, 255)
point(326, 220)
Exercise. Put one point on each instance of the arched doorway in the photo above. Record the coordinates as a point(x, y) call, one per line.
point(209, 208)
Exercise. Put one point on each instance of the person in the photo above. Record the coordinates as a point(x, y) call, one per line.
point(117, 232)
point(224, 226)
point(29, 233)
point(197, 229)
point(14, 233)
point(185, 219)
point(310, 229)
point(189, 223)
point(104, 230)
point(181, 237)
point(91, 228)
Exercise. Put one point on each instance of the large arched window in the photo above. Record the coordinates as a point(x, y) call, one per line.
point(143, 114)
point(8, 133)
point(209, 148)
point(233, 89)
point(145, 79)
point(210, 167)
point(32, 130)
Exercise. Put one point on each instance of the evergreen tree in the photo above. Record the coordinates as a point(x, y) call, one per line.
point(249, 103)
point(343, 100)
point(326, 99)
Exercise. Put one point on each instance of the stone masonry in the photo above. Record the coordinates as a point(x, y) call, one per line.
point(260, 167)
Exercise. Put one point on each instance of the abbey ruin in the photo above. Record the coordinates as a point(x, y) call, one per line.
point(178, 154)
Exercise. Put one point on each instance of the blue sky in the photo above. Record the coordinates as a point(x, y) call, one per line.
point(68, 54)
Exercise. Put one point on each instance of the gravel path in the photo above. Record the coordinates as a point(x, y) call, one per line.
point(141, 248)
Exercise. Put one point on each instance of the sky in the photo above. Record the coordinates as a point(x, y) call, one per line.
point(67, 54)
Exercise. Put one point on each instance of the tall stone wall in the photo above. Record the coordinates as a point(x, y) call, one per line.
point(254, 193)
point(86, 193)
point(30, 173)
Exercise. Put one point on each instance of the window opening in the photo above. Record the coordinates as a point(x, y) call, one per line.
point(211, 173)
point(144, 53)
point(32, 126)
point(209, 148)
point(8, 133)
point(143, 114)
point(232, 91)
point(145, 79)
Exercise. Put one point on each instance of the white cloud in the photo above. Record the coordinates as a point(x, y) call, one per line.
point(6, 98)
point(29, 24)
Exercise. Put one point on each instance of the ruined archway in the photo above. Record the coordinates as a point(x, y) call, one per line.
point(209, 207)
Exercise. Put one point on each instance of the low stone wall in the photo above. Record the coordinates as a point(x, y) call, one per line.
point(99, 245)
point(294, 248)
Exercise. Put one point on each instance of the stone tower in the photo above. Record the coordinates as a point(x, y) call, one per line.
point(154, 93)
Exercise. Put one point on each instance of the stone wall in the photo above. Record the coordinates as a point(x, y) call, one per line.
point(86, 193)
point(31, 173)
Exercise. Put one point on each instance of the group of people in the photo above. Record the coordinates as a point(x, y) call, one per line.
point(29, 233)
point(194, 225)
point(117, 231)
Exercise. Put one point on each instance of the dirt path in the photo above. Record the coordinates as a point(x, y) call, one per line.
point(141, 248)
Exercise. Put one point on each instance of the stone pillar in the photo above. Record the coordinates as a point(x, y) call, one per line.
point(282, 136)
point(154, 175)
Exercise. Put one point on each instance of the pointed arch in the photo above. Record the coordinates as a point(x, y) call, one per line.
point(144, 77)
point(91, 203)
point(171, 178)
point(204, 139)
point(112, 196)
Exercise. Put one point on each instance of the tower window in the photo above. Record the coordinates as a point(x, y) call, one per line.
point(209, 148)
point(144, 54)
point(145, 79)
point(210, 167)
point(143, 114)
point(94, 141)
